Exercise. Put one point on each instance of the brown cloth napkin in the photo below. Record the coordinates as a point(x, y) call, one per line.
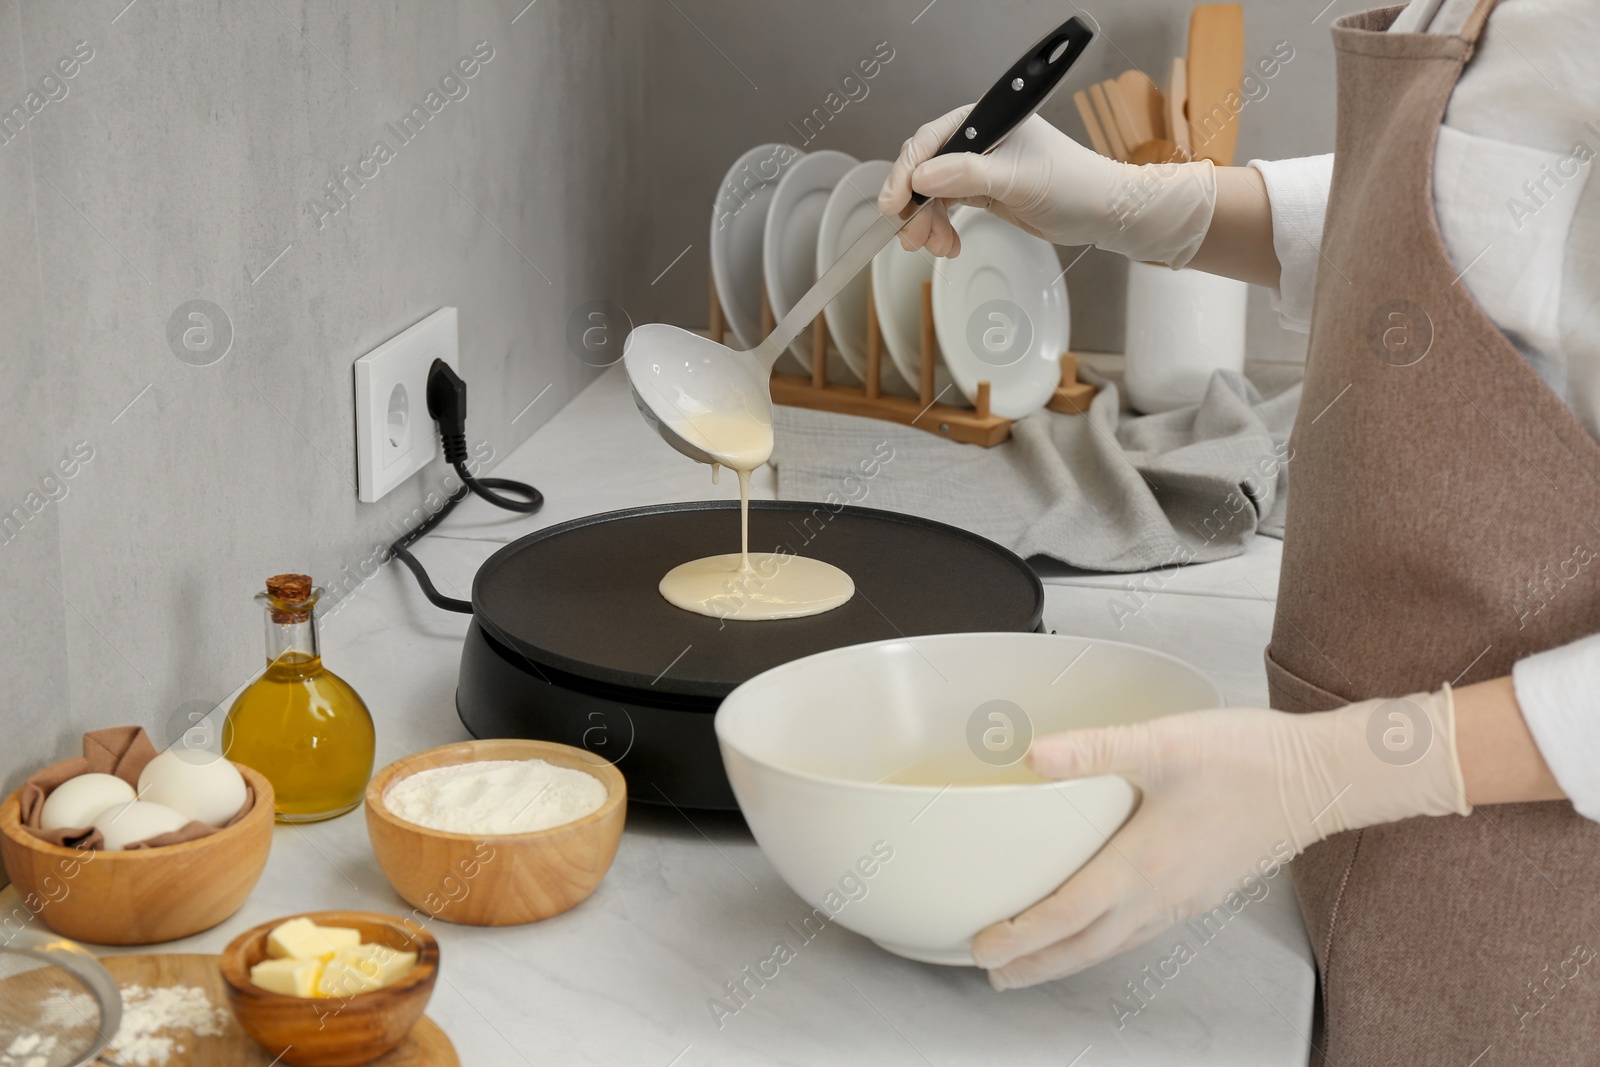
point(122, 751)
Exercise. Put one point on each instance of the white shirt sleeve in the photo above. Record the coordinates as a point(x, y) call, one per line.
point(1298, 192)
point(1559, 692)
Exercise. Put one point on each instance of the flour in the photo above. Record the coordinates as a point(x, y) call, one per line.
point(68, 1010)
point(495, 797)
point(153, 1023)
point(62, 1025)
point(29, 1050)
point(149, 1016)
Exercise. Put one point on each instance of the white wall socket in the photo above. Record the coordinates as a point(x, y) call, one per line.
point(395, 437)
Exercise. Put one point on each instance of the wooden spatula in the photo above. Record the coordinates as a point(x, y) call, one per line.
point(1177, 97)
point(1147, 113)
point(1091, 125)
point(1121, 114)
point(1108, 121)
point(1159, 150)
point(1216, 66)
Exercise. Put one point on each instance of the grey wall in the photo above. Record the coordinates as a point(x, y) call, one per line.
point(726, 75)
point(177, 166)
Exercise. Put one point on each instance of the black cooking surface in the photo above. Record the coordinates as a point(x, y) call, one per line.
point(582, 596)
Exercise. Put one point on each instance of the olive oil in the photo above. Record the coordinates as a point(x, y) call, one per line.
point(299, 724)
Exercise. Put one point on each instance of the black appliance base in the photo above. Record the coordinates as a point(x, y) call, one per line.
point(668, 753)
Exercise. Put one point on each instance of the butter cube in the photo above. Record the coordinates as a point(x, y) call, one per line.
point(363, 968)
point(341, 936)
point(302, 939)
point(295, 978)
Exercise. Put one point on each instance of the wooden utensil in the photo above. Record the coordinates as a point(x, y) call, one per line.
point(1108, 121)
point(144, 895)
point(1159, 150)
point(1119, 112)
point(1216, 68)
point(1091, 125)
point(1177, 111)
point(1147, 113)
point(332, 1031)
point(489, 879)
point(425, 1046)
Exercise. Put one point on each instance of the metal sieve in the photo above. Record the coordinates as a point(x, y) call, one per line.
point(58, 1006)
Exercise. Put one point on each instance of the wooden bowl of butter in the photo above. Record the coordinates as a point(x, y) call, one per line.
point(330, 988)
point(496, 832)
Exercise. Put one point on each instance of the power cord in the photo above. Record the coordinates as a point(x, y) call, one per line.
point(447, 404)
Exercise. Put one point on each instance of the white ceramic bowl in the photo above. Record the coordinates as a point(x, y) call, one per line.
point(922, 868)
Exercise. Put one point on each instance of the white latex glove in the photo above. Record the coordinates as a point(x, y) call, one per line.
point(1044, 182)
point(1225, 793)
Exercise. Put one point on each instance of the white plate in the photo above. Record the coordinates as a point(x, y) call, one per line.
point(738, 221)
point(1000, 310)
point(789, 246)
point(851, 208)
point(897, 277)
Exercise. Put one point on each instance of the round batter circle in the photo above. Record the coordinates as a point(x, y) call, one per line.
point(773, 586)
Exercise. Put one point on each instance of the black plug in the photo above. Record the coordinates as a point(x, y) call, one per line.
point(447, 404)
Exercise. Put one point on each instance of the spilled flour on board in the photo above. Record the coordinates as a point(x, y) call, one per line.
point(155, 1022)
point(151, 1016)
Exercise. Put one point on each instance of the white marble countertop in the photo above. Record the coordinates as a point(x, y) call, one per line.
point(627, 977)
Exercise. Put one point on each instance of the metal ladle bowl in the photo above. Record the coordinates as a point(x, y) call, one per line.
point(678, 376)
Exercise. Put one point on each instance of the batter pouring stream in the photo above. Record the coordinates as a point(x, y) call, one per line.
point(738, 585)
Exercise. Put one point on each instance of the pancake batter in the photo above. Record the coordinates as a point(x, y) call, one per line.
point(737, 585)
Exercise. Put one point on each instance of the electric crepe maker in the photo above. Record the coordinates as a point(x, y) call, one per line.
point(572, 641)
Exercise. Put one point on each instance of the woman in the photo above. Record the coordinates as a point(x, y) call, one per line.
point(1434, 650)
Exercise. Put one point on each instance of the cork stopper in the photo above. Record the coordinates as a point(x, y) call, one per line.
point(291, 597)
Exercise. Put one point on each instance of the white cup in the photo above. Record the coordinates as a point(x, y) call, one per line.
point(1182, 325)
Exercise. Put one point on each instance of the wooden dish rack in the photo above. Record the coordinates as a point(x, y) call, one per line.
point(974, 426)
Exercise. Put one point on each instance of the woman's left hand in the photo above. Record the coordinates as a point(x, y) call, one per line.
point(1226, 794)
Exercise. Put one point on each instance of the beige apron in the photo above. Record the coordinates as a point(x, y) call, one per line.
point(1445, 522)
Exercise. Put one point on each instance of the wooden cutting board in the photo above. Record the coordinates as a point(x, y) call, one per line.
point(425, 1046)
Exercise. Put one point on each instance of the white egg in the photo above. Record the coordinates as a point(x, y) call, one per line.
point(202, 785)
point(137, 820)
point(76, 801)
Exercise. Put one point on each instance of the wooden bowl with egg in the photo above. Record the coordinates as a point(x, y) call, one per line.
point(497, 879)
point(142, 896)
point(332, 1031)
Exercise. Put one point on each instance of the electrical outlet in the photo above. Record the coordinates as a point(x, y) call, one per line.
point(395, 438)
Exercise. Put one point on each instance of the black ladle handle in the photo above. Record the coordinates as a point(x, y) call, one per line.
point(1019, 92)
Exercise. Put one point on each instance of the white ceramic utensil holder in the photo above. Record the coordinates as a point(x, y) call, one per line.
point(1182, 325)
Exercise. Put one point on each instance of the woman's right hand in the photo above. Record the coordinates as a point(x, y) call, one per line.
point(1044, 182)
point(1038, 179)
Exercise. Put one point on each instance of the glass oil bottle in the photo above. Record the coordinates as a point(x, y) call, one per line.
point(300, 725)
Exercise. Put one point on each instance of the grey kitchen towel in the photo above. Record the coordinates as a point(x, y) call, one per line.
point(1105, 491)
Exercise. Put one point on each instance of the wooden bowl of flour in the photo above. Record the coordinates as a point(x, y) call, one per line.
point(496, 879)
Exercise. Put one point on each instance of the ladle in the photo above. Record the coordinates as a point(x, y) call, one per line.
point(699, 394)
